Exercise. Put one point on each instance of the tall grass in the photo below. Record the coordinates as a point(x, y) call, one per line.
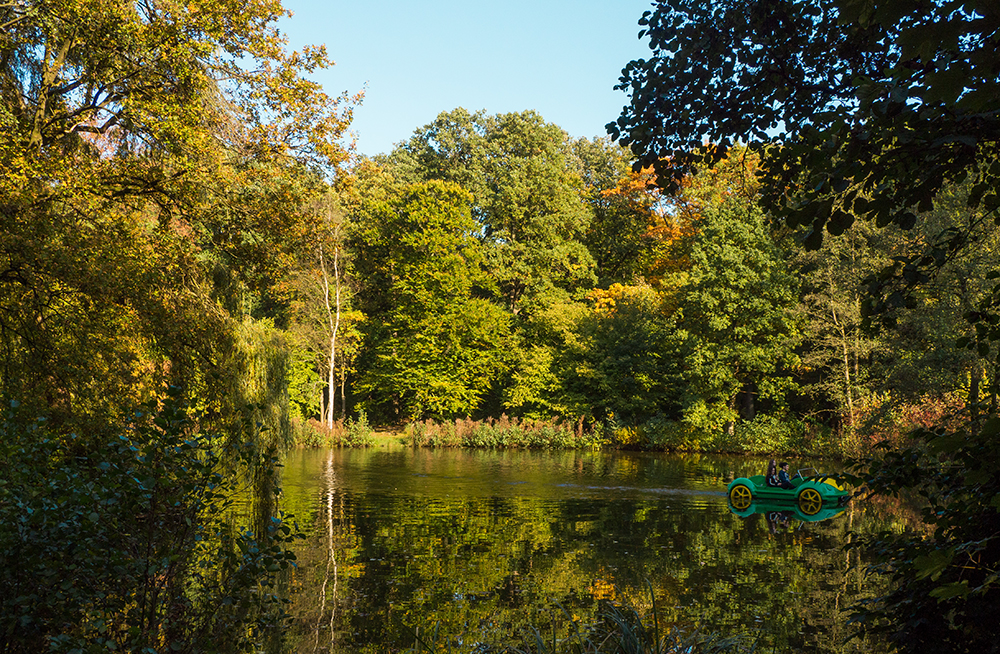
point(501, 433)
point(353, 432)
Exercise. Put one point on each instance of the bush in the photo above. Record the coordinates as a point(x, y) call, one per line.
point(125, 543)
point(350, 433)
point(768, 433)
point(659, 433)
point(358, 433)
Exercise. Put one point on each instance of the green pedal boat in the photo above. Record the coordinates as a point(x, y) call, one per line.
point(810, 492)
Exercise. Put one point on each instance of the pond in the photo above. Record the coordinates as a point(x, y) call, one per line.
point(476, 546)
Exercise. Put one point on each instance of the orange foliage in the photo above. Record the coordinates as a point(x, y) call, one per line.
point(677, 220)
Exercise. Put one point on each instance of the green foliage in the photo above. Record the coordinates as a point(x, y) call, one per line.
point(304, 385)
point(128, 542)
point(146, 206)
point(946, 591)
point(438, 346)
point(623, 360)
point(358, 432)
point(735, 318)
point(877, 113)
point(623, 210)
point(527, 201)
point(873, 108)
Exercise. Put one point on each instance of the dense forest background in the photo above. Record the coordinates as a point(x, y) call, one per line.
point(490, 266)
point(228, 244)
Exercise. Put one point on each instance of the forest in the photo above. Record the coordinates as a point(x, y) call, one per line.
point(787, 243)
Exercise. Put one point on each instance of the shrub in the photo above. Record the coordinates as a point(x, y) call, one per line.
point(354, 432)
point(659, 433)
point(357, 432)
point(125, 542)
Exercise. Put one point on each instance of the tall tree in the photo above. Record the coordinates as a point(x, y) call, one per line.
point(434, 345)
point(150, 157)
point(736, 318)
point(526, 187)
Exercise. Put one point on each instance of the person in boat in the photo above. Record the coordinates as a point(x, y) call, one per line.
point(771, 478)
point(783, 480)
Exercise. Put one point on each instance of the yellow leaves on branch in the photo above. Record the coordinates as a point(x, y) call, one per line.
point(607, 302)
point(179, 77)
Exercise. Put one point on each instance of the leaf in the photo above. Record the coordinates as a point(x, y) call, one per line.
point(933, 564)
point(948, 591)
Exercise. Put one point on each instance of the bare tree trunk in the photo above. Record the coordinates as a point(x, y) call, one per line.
point(333, 316)
point(848, 391)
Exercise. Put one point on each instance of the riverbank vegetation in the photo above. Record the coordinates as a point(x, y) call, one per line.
point(677, 321)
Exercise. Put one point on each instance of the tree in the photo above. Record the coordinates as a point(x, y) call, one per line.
point(433, 345)
point(526, 188)
point(132, 546)
point(735, 318)
point(836, 351)
point(870, 109)
point(624, 208)
point(152, 162)
point(624, 364)
point(861, 110)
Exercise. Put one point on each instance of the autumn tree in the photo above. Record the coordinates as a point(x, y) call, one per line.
point(624, 208)
point(152, 159)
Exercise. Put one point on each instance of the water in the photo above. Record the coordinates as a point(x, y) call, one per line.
point(480, 545)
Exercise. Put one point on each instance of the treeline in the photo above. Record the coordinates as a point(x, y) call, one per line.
point(493, 265)
point(490, 266)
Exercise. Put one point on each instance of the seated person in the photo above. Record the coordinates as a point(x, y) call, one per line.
point(783, 480)
point(771, 477)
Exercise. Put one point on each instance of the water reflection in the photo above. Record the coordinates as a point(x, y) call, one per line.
point(482, 543)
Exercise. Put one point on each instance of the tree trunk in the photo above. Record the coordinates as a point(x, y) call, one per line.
point(333, 317)
point(343, 395)
point(974, 377)
point(746, 404)
point(846, 352)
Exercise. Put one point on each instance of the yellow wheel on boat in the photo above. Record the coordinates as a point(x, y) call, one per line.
point(740, 497)
point(810, 501)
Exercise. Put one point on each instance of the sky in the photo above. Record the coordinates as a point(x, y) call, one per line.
point(416, 59)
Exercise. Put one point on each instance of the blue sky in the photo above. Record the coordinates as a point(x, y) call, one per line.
point(420, 58)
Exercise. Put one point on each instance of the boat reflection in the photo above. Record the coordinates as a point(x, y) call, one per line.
point(779, 515)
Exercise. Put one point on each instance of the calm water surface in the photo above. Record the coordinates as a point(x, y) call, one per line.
point(481, 544)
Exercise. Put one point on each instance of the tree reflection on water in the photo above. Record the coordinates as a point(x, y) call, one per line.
point(481, 545)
